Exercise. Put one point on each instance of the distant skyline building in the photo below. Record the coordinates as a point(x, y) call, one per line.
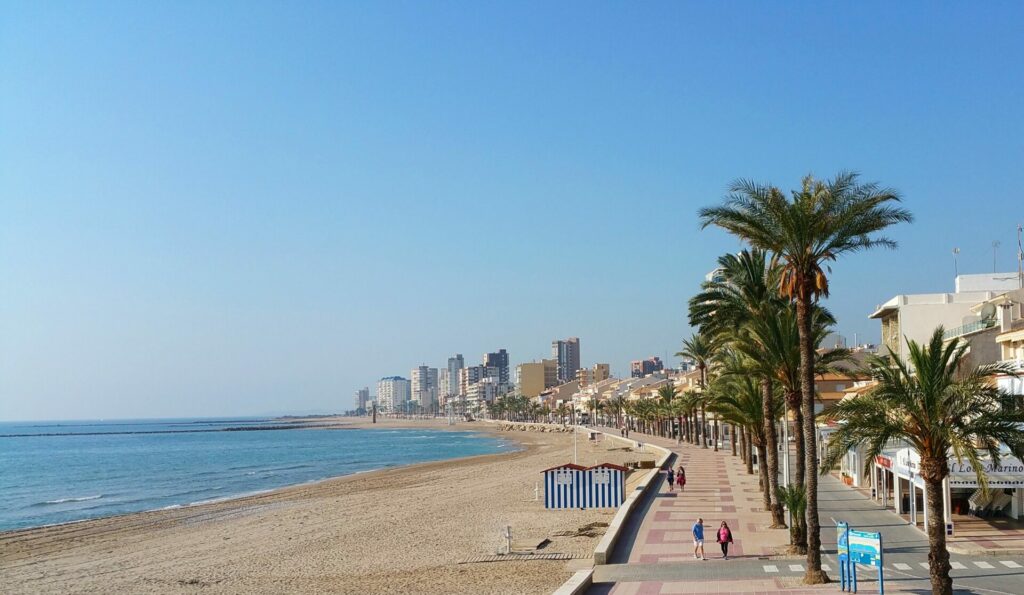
point(392, 393)
point(641, 368)
point(715, 276)
point(455, 363)
point(362, 397)
point(443, 386)
point(567, 354)
point(424, 386)
point(473, 374)
point(499, 360)
point(533, 378)
point(597, 373)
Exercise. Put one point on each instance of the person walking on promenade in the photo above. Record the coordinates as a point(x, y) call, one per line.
point(725, 538)
point(681, 478)
point(698, 539)
point(671, 479)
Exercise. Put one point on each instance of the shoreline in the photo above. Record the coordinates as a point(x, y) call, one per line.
point(271, 491)
point(408, 528)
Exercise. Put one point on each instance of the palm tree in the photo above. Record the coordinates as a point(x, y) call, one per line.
point(823, 221)
point(668, 395)
point(746, 294)
point(741, 405)
point(701, 349)
point(941, 409)
point(618, 406)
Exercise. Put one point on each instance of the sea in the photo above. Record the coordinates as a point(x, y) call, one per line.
point(60, 472)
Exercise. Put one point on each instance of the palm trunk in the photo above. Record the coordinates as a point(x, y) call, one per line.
point(772, 448)
point(745, 447)
point(938, 555)
point(798, 442)
point(714, 435)
point(814, 574)
point(732, 438)
point(703, 426)
point(762, 471)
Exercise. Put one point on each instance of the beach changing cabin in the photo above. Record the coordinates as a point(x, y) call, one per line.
point(576, 486)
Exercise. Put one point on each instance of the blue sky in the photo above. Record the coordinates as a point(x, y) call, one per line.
point(245, 208)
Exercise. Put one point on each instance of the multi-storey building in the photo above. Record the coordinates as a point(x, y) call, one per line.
point(455, 363)
point(392, 393)
point(567, 354)
point(641, 368)
point(424, 386)
point(486, 390)
point(499, 360)
point(599, 372)
point(471, 375)
point(534, 377)
point(362, 397)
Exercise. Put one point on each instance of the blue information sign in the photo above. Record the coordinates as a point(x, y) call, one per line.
point(858, 547)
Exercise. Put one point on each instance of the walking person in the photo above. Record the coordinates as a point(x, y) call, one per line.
point(698, 539)
point(681, 478)
point(671, 479)
point(725, 538)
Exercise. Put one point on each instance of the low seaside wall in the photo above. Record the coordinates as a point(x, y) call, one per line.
point(581, 580)
point(603, 551)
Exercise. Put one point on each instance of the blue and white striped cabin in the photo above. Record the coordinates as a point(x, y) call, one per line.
point(575, 486)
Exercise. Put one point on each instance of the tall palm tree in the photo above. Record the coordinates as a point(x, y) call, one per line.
point(823, 221)
point(746, 293)
point(701, 349)
point(942, 410)
point(772, 347)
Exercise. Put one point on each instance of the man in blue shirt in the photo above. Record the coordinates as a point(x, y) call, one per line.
point(698, 539)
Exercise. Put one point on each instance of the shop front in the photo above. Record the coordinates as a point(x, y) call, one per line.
point(896, 482)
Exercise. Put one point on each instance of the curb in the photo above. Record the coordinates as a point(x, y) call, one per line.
point(577, 583)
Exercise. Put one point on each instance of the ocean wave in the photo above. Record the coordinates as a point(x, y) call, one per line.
point(66, 500)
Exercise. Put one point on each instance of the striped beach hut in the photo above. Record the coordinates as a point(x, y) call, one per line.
point(563, 486)
point(607, 486)
point(575, 486)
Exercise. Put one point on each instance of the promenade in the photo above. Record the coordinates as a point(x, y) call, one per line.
point(655, 553)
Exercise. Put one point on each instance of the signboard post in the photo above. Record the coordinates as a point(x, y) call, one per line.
point(858, 547)
point(843, 550)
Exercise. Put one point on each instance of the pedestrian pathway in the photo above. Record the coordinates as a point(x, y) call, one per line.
point(655, 554)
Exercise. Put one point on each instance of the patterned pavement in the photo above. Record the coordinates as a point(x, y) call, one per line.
point(655, 555)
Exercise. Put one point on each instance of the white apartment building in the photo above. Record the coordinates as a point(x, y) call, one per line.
point(916, 316)
point(455, 363)
point(392, 393)
point(424, 386)
point(486, 390)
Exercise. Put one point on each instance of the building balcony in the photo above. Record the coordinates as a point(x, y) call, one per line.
point(973, 327)
point(1016, 364)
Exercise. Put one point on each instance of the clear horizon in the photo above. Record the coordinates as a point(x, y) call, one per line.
point(212, 211)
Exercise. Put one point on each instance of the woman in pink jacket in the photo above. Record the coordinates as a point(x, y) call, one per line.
point(725, 538)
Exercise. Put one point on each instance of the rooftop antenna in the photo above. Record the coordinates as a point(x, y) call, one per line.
point(956, 267)
point(995, 248)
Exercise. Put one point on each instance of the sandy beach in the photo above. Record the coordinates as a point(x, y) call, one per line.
point(398, 530)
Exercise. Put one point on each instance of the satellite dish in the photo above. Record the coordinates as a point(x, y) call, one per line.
point(988, 312)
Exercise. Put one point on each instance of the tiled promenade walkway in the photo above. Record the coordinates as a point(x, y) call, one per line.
point(655, 553)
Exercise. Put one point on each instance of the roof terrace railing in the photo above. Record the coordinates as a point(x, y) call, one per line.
point(966, 329)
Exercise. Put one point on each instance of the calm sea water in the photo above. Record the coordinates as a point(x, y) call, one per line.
point(53, 472)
